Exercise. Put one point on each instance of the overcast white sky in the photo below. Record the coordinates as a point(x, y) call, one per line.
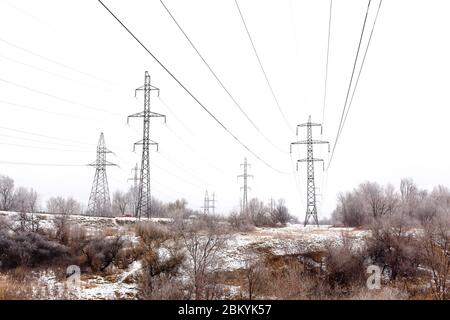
point(68, 70)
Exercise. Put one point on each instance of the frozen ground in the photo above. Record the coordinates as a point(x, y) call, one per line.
point(289, 240)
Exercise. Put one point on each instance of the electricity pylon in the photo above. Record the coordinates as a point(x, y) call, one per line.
point(245, 187)
point(311, 207)
point(135, 189)
point(99, 201)
point(144, 199)
point(207, 206)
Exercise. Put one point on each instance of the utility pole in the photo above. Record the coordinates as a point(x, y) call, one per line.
point(135, 180)
point(245, 187)
point(311, 207)
point(99, 201)
point(144, 199)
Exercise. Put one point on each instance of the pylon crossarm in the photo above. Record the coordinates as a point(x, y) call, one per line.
point(141, 88)
point(158, 115)
point(307, 125)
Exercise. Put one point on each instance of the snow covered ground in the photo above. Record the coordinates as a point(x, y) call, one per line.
point(290, 240)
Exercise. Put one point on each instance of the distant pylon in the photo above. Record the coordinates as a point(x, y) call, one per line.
point(135, 187)
point(209, 205)
point(144, 199)
point(245, 187)
point(99, 201)
point(311, 206)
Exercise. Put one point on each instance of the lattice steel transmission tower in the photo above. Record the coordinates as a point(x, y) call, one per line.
point(144, 201)
point(209, 204)
point(245, 187)
point(311, 207)
point(99, 201)
point(135, 187)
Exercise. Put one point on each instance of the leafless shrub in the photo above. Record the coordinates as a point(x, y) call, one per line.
point(240, 222)
point(344, 266)
point(27, 249)
point(161, 258)
point(28, 222)
point(255, 274)
point(435, 244)
point(102, 253)
point(393, 247)
point(203, 242)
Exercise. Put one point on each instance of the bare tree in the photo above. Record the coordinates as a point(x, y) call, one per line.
point(255, 273)
point(203, 243)
point(280, 214)
point(6, 193)
point(436, 255)
point(120, 203)
point(25, 200)
point(350, 210)
point(63, 206)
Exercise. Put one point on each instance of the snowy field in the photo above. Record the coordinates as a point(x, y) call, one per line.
point(290, 240)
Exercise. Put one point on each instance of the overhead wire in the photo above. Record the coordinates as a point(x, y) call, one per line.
point(191, 94)
point(262, 68)
point(58, 97)
point(236, 103)
point(349, 85)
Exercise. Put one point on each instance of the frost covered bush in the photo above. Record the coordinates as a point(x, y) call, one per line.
point(162, 258)
point(28, 249)
point(100, 253)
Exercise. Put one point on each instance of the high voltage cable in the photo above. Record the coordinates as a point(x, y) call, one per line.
point(54, 61)
point(45, 136)
point(262, 68)
point(41, 164)
point(39, 141)
point(220, 81)
point(40, 148)
point(190, 93)
point(362, 64)
point(47, 111)
point(326, 65)
point(350, 84)
point(57, 97)
point(46, 71)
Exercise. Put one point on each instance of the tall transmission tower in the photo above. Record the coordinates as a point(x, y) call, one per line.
point(209, 205)
point(99, 201)
point(245, 187)
point(144, 199)
point(135, 189)
point(311, 207)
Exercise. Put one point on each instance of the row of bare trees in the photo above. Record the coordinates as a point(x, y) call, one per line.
point(21, 199)
point(371, 201)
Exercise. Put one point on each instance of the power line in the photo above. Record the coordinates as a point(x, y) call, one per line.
point(49, 112)
point(54, 61)
point(262, 68)
point(39, 141)
point(42, 164)
point(326, 65)
point(45, 136)
point(190, 93)
point(40, 148)
point(220, 81)
point(57, 97)
point(362, 64)
point(350, 84)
